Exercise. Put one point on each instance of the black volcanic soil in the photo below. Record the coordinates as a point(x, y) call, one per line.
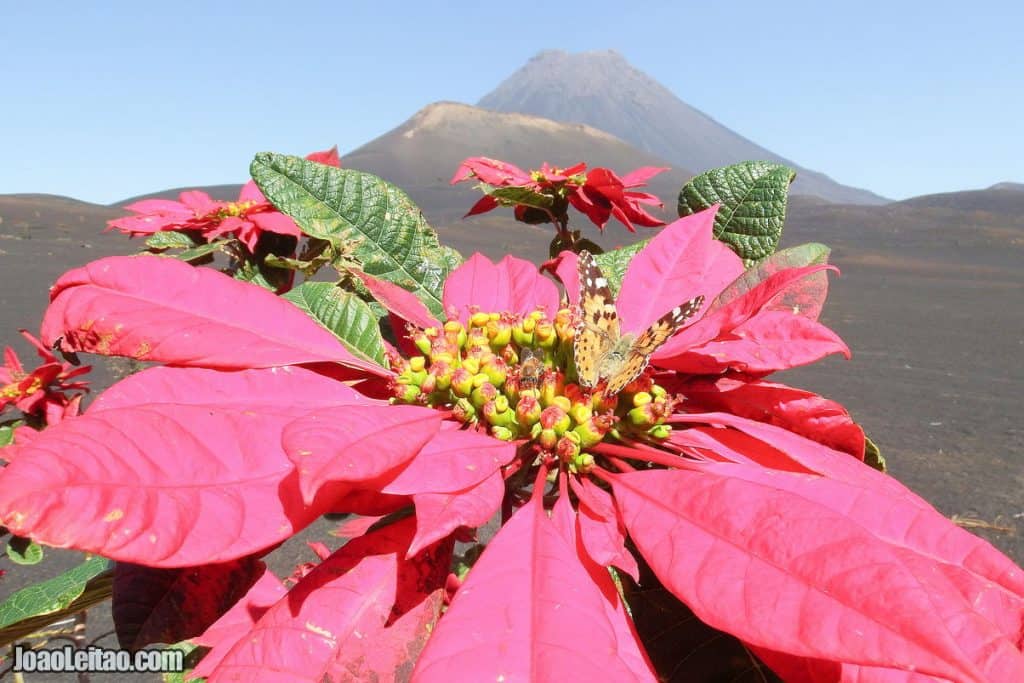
point(929, 301)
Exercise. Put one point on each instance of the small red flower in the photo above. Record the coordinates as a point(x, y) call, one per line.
point(45, 390)
point(245, 218)
point(599, 194)
point(605, 195)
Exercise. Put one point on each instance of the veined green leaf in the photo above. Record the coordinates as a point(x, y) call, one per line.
point(198, 252)
point(375, 220)
point(344, 314)
point(169, 239)
point(613, 264)
point(753, 197)
point(510, 196)
point(24, 551)
point(49, 598)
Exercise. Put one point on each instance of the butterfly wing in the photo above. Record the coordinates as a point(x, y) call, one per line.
point(597, 329)
point(647, 343)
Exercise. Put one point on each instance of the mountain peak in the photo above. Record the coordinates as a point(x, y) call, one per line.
point(1007, 185)
point(554, 55)
point(602, 89)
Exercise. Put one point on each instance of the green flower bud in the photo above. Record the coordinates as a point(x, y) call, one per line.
point(641, 416)
point(497, 412)
point(591, 432)
point(661, 431)
point(442, 373)
point(464, 411)
point(500, 334)
point(544, 334)
point(528, 410)
point(521, 336)
point(455, 333)
point(502, 433)
point(562, 402)
point(579, 412)
point(422, 342)
point(408, 393)
point(555, 417)
point(482, 392)
point(552, 386)
point(582, 464)
point(565, 326)
point(496, 371)
point(462, 382)
point(547, 438)
point(642, 398)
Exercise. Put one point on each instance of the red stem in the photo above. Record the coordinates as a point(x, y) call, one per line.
point(650, 454)
point(620, 464)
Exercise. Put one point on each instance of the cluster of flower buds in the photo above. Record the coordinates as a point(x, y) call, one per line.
point(513, 375)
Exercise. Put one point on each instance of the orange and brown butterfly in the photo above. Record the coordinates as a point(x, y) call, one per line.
point(601, 351)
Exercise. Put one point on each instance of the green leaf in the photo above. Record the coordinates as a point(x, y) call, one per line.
point(873, 456)
point(192, 654)
point(315, 254)
point(449, 259)
point(24, 551)
point(169, 239)
point(262, 275)
point(50, 596)
point(511, 196)
point(288, 263)
point(344, 314)
point(6, 435)
point(613, 264)
point(196, 253)
point(371, 219)
point(753, 204)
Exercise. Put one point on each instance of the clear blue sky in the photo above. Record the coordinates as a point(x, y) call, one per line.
point(102, 101)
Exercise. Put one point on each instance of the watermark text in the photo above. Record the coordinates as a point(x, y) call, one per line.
point(94, 659)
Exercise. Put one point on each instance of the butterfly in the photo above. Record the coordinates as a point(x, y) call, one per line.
point(601, 351)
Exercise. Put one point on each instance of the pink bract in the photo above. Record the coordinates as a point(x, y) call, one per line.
point(246, 218)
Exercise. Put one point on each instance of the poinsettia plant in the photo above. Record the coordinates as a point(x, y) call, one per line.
point(517, 449)
point(30, 400)
point(545, 195)
point(260, 242)
point(47, 394)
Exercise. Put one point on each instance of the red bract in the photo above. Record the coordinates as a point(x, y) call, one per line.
point(747, 498)
point(245, 218)
point(599, 194)
point(48, 391)
point(605, 194)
